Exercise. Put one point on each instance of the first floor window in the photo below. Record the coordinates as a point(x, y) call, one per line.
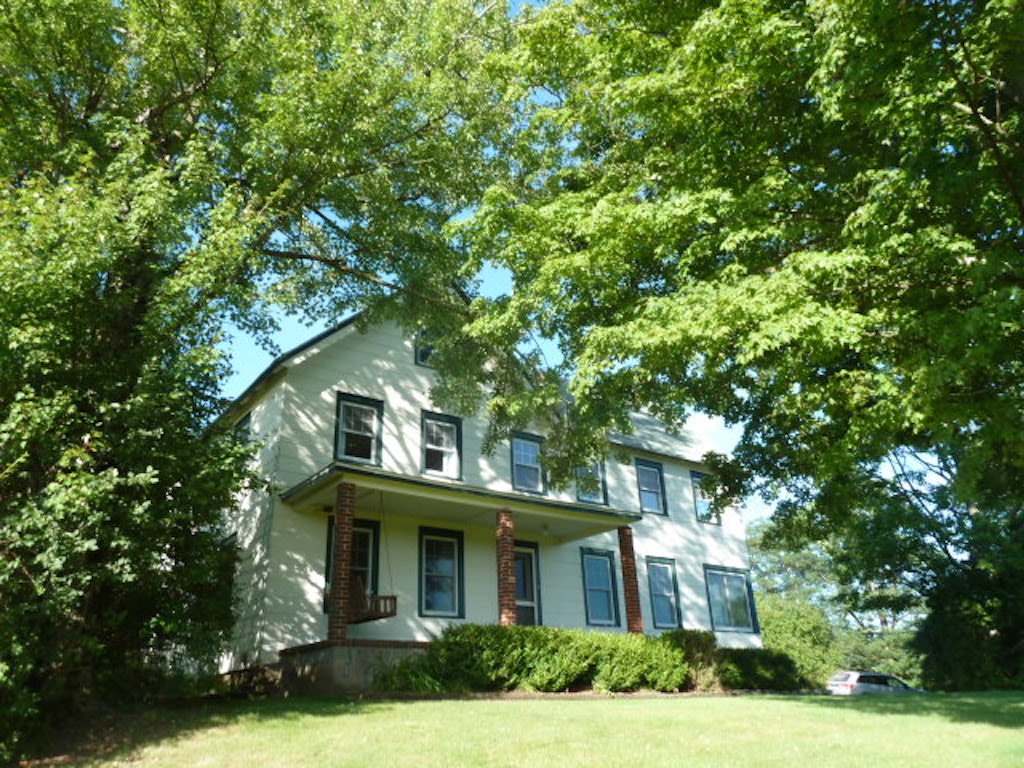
point(661, 582)
point(527, 585)
point(652, 486)
point(442, 437)
point(701, 502)
point(526, 470)
point(363, 566)
point(730, 599)
point(359, 426)
point(600, 597)
point(441, 572)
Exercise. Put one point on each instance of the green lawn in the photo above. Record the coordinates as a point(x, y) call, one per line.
point(793, 731)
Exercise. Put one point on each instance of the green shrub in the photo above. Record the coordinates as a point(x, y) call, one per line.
point(757, 669)
point(700, 649)
point(473, 657)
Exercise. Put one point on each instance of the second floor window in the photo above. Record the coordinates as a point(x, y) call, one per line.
point(359, 425)
point(442, 438)
point(590, 485)
point(652, 487)
point(701, 502)
point(526, 469)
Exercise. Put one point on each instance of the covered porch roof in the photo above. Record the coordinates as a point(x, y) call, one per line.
point(468, 505)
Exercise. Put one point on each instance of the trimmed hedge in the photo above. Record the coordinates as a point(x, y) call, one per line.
point(477, 657)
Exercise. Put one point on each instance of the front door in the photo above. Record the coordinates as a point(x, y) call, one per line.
point(527, 585)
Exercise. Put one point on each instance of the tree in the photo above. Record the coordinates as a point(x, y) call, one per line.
point(168, 166)
point(807, 218)
point(812, 606)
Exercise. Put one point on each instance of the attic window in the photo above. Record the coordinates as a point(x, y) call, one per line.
point(422, 348)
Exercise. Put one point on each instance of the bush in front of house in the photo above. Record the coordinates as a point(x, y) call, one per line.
point(734, 669)
point(475, 657)
point(758, 669)
point(485, 657)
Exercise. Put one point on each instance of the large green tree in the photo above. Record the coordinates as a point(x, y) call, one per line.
point(805, 217)
point(167, 167)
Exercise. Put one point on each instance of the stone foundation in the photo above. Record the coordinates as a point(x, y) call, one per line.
point(345, 667)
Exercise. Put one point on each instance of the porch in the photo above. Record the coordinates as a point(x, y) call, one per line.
point(349, 494)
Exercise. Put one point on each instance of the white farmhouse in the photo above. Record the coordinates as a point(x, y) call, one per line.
point(384, 522)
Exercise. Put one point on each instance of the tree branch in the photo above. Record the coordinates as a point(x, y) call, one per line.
point(341, 266)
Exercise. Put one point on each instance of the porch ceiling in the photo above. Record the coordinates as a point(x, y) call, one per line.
point(535, 516)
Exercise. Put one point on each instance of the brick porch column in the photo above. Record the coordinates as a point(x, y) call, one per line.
point(506, 536)
point(341, 562)
point(630, 587)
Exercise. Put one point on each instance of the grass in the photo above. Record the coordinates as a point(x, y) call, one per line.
point(929, 730)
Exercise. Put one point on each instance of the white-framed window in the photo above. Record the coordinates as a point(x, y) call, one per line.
point(599, 591)
point(651, 484)
point(661, 583)
point(527, 474)
point(442, 445)
point(730, 599)
point(359, 428)
point(441, 573)
point(701, 502)
point(590, 484)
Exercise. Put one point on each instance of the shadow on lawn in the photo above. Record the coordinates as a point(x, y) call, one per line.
point(119, 734)
point(1003, 709)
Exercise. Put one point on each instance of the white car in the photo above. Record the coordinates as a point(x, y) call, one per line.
point(855, 682)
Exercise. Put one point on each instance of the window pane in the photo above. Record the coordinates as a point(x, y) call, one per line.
point(358, 446)
point(524, 576)
point(664, 611)
point(526, 615)
point(650, 501)
point(441, 435)
point(730, 606)
point(648, 479)
point(661, 579)
point(526, 452)
point(360, 419)
point(439, 594)
point(434, 460)
point(599, 606)
point(527, 477)
point(739, 609)
point(598, 574)
point(439, 556)
point(362, 539)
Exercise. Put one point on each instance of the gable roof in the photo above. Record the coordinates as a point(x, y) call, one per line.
point(279, 362)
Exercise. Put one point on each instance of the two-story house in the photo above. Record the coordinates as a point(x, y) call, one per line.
point(384, 521)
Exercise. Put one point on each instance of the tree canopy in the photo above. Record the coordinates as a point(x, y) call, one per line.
point(807, 218)
point(168, 166)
